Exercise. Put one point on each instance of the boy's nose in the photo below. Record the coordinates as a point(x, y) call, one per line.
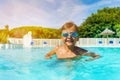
point(69, 36)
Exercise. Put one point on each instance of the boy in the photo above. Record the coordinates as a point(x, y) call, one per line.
point(68, 50)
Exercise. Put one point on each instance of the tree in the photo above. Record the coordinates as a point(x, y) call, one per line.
point(97, 22)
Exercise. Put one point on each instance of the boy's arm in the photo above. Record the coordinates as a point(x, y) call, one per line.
point(48, 56)
point(93, 55)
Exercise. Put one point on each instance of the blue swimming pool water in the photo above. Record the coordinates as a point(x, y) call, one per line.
point(30, 64)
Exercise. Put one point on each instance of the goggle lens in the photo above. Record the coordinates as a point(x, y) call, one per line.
point(72, 34)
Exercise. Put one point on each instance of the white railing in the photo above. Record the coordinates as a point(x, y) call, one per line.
point(37, 42)
point(81, 42)
point(98, 42)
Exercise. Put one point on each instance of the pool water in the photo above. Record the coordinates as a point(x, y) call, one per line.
point(30, 64)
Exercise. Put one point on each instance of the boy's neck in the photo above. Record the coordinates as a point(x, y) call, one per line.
point(71, 47)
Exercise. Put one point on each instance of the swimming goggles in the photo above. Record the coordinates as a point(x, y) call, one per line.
point(72, 34)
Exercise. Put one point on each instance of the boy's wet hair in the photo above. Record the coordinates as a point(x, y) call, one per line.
point(68, 25)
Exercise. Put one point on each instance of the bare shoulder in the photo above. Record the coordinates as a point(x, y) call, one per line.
point(57, 47)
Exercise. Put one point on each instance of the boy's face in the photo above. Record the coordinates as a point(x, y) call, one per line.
point(69, 36)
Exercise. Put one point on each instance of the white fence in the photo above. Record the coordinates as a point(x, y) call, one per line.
point(37, 42)
point(82, 42)
point(98, 42)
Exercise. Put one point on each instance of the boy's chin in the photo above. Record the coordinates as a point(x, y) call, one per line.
point(70, 44)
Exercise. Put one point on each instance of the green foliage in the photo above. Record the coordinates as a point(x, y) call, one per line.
point(117, 28)
point(97, 22)
point(3, 36)
point(37, 32)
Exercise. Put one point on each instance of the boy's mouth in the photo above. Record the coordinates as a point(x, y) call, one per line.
point(69, 40)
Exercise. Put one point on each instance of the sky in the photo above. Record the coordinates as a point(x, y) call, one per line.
point(49, 13)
